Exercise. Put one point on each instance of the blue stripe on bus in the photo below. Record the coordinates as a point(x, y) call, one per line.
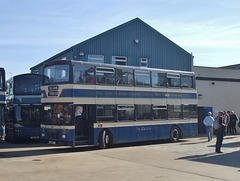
point(27, 100)
point(124, 94)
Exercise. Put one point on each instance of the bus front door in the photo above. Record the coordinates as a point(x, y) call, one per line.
point(84, 118)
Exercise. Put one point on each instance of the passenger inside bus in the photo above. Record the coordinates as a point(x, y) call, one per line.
point(123, 116)
point(76, 77)
point(89, 79)
point(102, 81)
point(119, 80)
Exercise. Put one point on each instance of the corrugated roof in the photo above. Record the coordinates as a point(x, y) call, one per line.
point(135, 20)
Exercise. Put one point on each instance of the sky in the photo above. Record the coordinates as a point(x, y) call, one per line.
point(32, 31)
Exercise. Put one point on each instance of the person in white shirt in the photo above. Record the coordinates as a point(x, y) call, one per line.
point(79, 121)
point(208, 122)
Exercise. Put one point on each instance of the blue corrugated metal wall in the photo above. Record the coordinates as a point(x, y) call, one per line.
point(120, 41)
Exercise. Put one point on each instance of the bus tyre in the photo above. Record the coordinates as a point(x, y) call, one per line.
point(175, 134)
point(105, 139)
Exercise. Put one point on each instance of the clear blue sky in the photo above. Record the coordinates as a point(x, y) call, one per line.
point(32, 31)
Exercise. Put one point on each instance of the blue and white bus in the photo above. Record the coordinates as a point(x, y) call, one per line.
point(88, 103)
point(24, 107)
point(2, 104)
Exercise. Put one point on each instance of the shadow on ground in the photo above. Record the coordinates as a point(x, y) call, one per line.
point(226, 159)
point(9, 150)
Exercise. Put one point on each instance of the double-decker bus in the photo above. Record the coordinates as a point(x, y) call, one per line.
point(2, 104)
point(24, 107)
point(88, 103)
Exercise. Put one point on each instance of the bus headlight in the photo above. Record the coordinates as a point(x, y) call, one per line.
point(43, 134)
point(64, 136)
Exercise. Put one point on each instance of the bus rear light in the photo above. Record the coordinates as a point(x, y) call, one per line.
point(64, 136)
point(101, 124)
point(43, 130)
point(64, 131)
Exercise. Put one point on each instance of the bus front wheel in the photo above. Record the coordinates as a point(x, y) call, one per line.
point(105, 139)
point(175, 134)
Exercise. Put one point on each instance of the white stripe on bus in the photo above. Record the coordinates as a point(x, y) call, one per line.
point(142, 123)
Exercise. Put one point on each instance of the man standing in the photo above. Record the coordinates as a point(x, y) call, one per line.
point(208, 122)
point(229, 129)
point(233, 120)
point(226, 120)
point(220, 132)
point(79, 121)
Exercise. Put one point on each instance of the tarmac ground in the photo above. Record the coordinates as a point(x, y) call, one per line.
point(190, 159)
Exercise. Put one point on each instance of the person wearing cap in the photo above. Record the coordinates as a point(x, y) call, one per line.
point(208, 122)
point(220, 133)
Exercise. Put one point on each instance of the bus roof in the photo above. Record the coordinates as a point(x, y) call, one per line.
point(75, 62)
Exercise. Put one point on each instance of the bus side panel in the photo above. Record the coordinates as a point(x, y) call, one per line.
point(146, 133)
point(120, 134)
point(125, 134)
point(189, 129)
point(96, 132)
point(161, 131)
point(194, 129)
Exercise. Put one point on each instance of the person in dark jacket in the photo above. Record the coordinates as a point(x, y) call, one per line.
point(220, 132)
point(233, 121)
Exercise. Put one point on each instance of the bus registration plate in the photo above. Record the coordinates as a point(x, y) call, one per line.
point(34, 137)
point(52, 142)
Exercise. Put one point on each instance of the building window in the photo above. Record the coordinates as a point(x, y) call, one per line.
point(119, 60)
point(96, 58)
point(144, 62)
point(64, 58)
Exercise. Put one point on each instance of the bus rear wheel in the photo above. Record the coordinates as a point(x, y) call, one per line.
point(175, 134)
point(105, 139)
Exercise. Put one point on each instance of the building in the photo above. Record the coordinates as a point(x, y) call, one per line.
point(133, 43)
point(218, 89)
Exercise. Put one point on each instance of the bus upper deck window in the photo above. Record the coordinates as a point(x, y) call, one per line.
point(83, 74)
point(158, 79)
point(173, 80)
point(124, 77)
point(187, 81)
point(105, 75)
